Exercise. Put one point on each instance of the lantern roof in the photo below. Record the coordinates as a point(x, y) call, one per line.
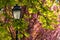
point(16, 7)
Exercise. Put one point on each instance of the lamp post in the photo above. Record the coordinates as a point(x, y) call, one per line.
point(16, 11)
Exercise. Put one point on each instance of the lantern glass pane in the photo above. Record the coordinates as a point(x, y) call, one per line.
point(16, 14)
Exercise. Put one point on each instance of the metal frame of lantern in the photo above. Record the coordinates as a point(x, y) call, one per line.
point(16, 12)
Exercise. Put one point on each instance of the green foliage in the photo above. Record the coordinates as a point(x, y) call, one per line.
point(20, 24)
point(26, 34)
point(4, 35)
point(46, 16)
point(4, 3)
point(20, 35)
point(23, 34)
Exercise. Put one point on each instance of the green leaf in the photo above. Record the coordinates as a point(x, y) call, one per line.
point(20, 35)
point(26, 34)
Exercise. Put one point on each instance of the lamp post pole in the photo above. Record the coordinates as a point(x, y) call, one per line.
point(16, 34)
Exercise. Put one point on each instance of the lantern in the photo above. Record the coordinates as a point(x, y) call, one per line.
point(16, 11)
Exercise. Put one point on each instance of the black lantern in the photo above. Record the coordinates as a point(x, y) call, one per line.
point(16, 12)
